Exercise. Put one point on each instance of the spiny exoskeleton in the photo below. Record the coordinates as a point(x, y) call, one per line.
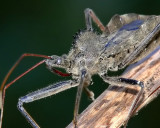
point(121, 43)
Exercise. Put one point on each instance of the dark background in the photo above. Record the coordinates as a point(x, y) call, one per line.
point(46, 27)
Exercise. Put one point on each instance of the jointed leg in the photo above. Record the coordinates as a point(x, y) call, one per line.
point(9, 84)
point(3, 89)
point(118, 80)
point(90, 14)
point(42, 93)
point(78, 97)
point(13, 67)
point(89, 93)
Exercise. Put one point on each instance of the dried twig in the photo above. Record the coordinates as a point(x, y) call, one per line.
point(111, 108)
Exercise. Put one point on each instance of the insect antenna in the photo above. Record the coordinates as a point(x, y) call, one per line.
point(4, 88)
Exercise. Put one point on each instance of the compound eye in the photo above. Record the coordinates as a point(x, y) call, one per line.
point(59, 61)
point(56, 59)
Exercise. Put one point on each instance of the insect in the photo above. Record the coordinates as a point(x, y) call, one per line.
point(126, 39)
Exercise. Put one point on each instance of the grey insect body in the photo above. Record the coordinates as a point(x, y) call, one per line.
point(124, 36)
point(101, 53)
point(125, 40)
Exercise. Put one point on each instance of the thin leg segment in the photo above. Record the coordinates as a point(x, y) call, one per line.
point(3, 91)
point(89, 93)
point(118, 80)
point(42, 93)
point(90, 14)
point(78, 96)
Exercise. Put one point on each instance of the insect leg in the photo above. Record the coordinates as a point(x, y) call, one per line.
point(90, 14)
point(78, 96)
point(9, 84)
point(12, 69)
point(141, 47)
point(89, 93)
point(119, 80)
point(42, 93)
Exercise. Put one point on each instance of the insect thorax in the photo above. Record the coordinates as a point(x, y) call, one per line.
point(85, 52)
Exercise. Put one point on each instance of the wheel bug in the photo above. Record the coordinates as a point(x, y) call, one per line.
point(126, 39)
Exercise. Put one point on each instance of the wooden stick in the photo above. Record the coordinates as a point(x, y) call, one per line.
point(111, 108)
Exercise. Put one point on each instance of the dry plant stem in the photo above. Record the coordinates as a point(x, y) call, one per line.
point(111, 108)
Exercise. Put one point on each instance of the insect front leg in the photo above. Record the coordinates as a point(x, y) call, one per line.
point(5, 87)
point(78, 96)
point(42, 93)
point(118, 81)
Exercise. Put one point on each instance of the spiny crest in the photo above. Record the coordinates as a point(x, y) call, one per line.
point(78, 34)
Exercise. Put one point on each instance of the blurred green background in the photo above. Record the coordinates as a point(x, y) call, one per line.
point(46, 27)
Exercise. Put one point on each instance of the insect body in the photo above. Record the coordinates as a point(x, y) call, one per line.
point(125, 40)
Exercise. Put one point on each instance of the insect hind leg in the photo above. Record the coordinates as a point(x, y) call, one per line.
point(135, 102)
point(119, 80)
